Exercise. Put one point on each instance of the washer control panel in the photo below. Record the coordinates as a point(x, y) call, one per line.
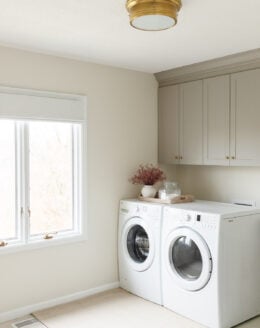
point(203, 220)
point(137, 209)
point(206, 221)
point(195, 219)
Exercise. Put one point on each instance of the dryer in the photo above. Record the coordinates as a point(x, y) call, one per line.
point(139, 241)
point(210, 262)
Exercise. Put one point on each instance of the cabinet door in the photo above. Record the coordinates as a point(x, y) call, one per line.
point(216, 103)
point(191, 102)
point(245, 118)
point(169, 125)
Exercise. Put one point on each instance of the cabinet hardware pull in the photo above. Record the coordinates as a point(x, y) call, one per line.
point(3, 243)
point(227, 157)
point(176, 157)
point(180, 157)
point(233, 157)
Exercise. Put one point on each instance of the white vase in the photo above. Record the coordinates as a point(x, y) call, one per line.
point(148, 191)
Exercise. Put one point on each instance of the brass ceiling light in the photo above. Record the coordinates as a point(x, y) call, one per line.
point(153, 15)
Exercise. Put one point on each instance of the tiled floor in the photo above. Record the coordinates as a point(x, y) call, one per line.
point(116, 309)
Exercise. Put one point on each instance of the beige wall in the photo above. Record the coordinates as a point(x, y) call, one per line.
point(220, 183)
point(122, 133)
point(170, 171)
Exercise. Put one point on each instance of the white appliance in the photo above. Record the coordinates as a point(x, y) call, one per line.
point(211, 262)
point(139, 249)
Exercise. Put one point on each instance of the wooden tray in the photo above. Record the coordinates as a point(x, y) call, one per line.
point(176, 200)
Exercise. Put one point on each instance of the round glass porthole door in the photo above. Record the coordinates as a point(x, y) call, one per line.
point(188, 259)
point(138, 244)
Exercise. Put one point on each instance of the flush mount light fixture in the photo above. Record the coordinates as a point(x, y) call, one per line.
point(153, 15)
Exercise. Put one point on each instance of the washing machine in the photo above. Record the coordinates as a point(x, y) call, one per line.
point(139, 241)
point(211, 262)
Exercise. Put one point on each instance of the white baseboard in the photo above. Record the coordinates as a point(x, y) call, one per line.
point(20, 312)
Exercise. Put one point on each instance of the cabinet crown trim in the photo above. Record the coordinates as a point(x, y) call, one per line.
point(225, 65)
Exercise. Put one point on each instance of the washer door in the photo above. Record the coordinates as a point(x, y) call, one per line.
point(188, 259)
point(138, 244)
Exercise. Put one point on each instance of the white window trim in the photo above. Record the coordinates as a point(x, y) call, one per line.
point(61, 238)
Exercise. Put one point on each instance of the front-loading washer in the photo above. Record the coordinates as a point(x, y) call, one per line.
point(210, 262)
point(139, 246)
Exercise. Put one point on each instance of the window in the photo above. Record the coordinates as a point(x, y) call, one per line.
point(40, 181)
point(8, 223)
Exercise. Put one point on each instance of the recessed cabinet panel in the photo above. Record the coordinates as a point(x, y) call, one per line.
point(245, 118)
point(216, 94)
point(214, 122)
point(191, 103)
point(169, 125)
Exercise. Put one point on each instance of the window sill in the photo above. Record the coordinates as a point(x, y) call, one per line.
point(38, 244)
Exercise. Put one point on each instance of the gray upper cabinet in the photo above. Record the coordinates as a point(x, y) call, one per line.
point(215, 121)
point(169, 125)
point(245, 118)
point(180, 124)
point(191, 102)
point(216, 106)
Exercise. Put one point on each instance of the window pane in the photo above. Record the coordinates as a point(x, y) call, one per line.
point(7, 180)
point(51, 173)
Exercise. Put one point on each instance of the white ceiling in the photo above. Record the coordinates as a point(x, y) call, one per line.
point(99, 31)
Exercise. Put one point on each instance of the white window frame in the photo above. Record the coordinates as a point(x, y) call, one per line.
point(26, 242)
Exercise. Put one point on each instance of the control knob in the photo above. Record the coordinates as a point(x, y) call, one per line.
point(188, 218)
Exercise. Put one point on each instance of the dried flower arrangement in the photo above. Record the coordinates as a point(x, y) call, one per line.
point(147, 175)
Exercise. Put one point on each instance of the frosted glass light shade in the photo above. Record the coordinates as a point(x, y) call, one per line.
point(153, 22)
point(153, 15)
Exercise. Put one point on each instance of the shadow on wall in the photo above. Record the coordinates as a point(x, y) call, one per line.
point(224, 184)
point(170, 172)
